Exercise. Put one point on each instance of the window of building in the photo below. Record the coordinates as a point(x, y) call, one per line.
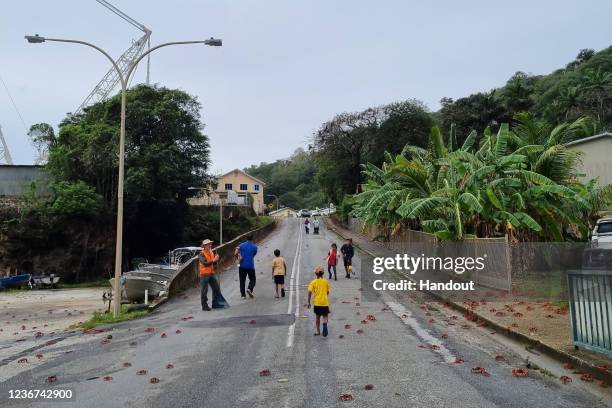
point(256, 187)
point(228, 186)
point(244, 187)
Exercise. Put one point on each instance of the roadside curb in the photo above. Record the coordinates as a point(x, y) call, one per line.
point(559, 355)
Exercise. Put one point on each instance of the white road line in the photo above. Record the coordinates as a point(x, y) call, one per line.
point(293, 269)
point(294, 287)
point(399, 310)
point(297, 282)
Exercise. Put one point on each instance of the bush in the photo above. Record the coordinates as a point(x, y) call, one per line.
point(74, 199)
point(346, 208)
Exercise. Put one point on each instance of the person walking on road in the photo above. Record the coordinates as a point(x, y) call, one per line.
point(332, 261)
point(208, 260)
point(315, 226)
point(347, 256)
point(318, 292)
point(279, 271)
point(246, 254)
point(307, 225)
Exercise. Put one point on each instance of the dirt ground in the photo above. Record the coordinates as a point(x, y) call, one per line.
point(42, 313)
point(538, 320)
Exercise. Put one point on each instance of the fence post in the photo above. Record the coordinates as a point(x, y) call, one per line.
point(508, 264)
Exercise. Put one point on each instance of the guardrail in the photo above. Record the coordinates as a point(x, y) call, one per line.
point(590, 301)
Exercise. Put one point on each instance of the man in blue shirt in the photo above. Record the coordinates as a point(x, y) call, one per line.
point(245, 253)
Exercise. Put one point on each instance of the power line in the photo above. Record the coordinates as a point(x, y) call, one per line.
point(14, 104)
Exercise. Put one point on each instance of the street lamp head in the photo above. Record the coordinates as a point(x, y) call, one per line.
point(214, 42)
point(35, 39)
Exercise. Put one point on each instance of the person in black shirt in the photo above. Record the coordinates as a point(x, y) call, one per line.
point(348, 252)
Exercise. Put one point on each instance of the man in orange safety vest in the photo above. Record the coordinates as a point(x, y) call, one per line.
point(208, 260)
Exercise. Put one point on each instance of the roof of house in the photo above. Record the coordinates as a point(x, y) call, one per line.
point(590, 138)
point(281, 209)
point(243, 172)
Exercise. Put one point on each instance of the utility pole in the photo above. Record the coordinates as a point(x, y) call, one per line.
point(220, 221)
point(209, 191)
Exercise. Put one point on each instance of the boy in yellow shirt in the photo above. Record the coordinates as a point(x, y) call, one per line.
point(319, 288)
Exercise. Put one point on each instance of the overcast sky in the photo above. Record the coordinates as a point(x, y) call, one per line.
point(286, 66)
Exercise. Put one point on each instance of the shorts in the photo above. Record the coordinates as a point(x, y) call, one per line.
point(321, 310)
point(279, 279)
point(347, 262)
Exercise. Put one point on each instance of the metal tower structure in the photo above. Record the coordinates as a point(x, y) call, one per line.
point(5, 155)
point(111, 79)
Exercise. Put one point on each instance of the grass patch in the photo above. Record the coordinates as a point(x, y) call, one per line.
point(262, 221)
point(562, 304)
point(99, 318)
point(542, 370)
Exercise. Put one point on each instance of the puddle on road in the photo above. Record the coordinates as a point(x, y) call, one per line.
point(245, 321)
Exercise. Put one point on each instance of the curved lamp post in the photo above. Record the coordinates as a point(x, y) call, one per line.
point(124, 79)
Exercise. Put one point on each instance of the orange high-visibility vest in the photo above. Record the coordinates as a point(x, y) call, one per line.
point(206, 270)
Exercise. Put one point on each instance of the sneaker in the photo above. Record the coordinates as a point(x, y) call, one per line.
point(283, 292)
point(250, 293)
point(325, 330)
point(205, 308)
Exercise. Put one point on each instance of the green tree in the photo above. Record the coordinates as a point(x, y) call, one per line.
point(166, 152)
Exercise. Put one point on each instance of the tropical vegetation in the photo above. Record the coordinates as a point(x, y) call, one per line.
point(521, 181)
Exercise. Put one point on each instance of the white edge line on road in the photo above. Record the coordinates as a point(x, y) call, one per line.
point(399, 310)
point(293, 286)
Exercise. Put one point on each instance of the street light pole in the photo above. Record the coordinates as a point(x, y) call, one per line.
point(124, 80)
point(220, 221)
point(209, 191)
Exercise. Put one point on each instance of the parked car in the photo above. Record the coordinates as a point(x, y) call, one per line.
point(327, 211)
point(602, 234)
point(304, 213)
point(315, 213)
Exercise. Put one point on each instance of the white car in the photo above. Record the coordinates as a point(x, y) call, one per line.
point(327, 211)
point(602, 234)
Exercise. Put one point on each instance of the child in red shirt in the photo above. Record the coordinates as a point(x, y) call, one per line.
point(332, 260)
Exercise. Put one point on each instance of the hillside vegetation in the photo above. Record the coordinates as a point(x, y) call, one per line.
point(341, 146)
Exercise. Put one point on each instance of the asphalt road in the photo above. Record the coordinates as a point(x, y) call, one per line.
point(217, 356)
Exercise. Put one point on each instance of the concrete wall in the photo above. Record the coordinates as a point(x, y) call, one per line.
point(596, 159)
point(15, 179)
point(283, 213)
